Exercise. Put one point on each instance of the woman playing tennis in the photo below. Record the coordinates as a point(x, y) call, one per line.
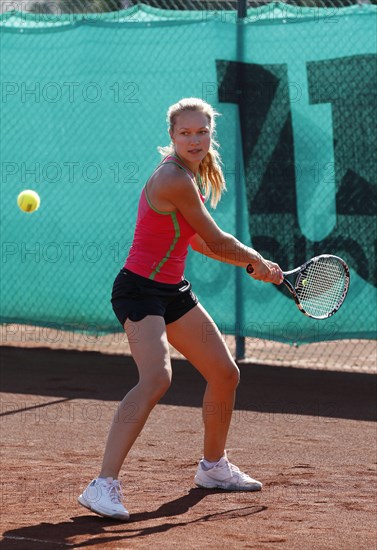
point(151, 298)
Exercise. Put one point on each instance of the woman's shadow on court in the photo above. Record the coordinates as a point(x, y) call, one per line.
point(61, 534)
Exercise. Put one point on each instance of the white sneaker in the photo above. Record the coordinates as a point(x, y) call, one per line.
point(104, 497)
point(225, 475)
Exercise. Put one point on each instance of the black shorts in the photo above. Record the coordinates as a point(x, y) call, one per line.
point(134, 297)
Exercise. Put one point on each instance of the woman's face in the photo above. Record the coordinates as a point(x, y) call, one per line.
point(191, 136)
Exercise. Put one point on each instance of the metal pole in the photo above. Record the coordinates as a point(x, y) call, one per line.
point(242, 9)
point(240, 318)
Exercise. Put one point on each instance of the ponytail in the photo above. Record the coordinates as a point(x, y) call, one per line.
point(211, 174)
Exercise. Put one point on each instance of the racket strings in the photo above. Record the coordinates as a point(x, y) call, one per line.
point(321, 287)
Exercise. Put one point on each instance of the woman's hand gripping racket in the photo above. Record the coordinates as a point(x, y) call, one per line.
point(320, 285)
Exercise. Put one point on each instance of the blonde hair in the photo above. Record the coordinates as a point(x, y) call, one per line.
point(211, 174)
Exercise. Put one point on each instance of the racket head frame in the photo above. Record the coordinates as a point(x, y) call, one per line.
point(299, 271)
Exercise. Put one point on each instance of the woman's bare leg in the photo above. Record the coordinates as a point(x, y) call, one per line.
point(196, 336)
point(150, 350)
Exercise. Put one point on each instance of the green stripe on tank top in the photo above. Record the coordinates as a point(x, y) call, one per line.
point(177, 230)
point(173, 215)
point(177, 234)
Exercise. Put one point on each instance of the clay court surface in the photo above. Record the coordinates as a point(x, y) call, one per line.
point(309, 435)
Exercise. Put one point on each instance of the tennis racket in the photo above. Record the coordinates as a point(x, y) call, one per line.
point(320, 285)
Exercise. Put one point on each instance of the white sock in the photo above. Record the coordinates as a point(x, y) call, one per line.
point(208, 465)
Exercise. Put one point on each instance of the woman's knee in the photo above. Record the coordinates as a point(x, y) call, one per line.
point(228, 377)
point(154, 387)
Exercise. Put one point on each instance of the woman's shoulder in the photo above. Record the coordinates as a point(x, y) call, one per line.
point(171, 173)
point(170, 181)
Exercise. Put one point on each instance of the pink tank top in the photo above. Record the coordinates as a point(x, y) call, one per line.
point(161, 239)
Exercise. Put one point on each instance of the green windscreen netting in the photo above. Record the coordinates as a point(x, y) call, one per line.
point(83, 109)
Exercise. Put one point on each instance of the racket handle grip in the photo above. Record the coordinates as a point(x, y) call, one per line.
point(250, 269)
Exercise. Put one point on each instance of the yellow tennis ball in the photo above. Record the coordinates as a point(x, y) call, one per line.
point(304, 282)
point(28, 200)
